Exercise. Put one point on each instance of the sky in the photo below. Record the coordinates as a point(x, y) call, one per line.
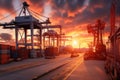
point(72, 15)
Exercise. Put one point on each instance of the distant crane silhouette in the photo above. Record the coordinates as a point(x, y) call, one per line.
point(97, 30)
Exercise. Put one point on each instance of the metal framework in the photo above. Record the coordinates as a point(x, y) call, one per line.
point(25, 21)
point(96, 30)
point(65, 39)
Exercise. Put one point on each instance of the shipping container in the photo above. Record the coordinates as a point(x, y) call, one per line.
point(4, 53)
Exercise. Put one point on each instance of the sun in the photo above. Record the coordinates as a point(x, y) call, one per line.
point(75, 44)
point(79, 44)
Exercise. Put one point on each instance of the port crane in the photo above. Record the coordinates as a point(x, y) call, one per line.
point(25, 21)
point(97, 30)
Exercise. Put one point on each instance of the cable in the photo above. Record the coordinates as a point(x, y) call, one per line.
point(9, 14)
point(38, 14)
point(117, 10)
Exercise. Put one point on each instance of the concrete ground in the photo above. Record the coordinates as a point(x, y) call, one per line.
point(86, 70)
point(89, 70)
point(32, 68)
point(27, 63)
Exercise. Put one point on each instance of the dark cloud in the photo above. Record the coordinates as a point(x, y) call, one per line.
point(39, 3)
point(118, 8)
point(97, 2)
point(65, 14)
point(63, 9)
point(6, 4)
point(75, 4)
point(100, 10)
point(6, 36)
point(60, 10)
point(87, 16)
point(59, 3)
point(71, 5)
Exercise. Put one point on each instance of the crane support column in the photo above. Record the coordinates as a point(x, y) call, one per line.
point(16, 35)
point(25, 30)
point(33, 54)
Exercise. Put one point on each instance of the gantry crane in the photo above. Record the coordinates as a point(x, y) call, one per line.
point(96, 30)
point(112, 17)
point(26, 21)
point(92, 29)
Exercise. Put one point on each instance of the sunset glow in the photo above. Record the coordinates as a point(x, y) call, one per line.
point(84, 45)
point(75, 44)
point(63, 39)
point(73, 16)
point(79, 44)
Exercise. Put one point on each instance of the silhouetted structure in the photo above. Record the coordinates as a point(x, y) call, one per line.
point(96, 30)
point(27, 22)
point(112, 63)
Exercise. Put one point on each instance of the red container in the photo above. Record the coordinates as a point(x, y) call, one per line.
point(12, 51)
point(55, 51)
point(4, 53)
point(23, 53)
point(4, 49)
point(38, 54)
point(4, 58)
point(49, 52)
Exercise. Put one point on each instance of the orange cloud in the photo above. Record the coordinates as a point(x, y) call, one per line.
point(72, 15)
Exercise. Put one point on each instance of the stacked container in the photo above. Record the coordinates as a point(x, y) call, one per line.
point(23, 53)
point(49, 52)
point(4, 54)
point(39, 53)
point(12, 52)
point(56, 51)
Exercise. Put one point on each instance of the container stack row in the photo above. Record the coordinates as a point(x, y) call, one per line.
point(51, 52)
point(4, 54)
point(8, 54)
